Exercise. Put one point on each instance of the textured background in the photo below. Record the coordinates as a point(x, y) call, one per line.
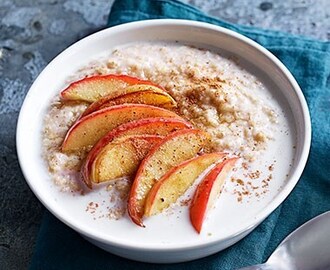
point(34, 32)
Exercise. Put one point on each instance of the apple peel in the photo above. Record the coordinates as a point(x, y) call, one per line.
point(207, 192)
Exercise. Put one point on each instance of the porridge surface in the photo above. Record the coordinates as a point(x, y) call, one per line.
point(213, 92)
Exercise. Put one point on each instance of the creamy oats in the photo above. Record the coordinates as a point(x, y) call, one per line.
point(213, 92)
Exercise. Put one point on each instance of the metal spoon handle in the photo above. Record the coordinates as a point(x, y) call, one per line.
point(308, 247)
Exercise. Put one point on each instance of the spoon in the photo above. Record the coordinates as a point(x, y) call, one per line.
point(307, 248)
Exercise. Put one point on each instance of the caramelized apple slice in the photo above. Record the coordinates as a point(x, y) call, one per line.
point(174, 149)
point(153, 126)
point(149, 97)
point(176, 182)
point(207, 192)
point(89, 129)
point(92, 88)
point(121, 157)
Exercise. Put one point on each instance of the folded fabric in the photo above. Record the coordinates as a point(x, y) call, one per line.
point(59, 247)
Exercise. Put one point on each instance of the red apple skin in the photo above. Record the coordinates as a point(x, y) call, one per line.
point(125, 80)
point(155, 126)
point(202, 200)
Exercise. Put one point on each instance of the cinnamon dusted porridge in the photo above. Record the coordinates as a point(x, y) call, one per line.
point(213, 92)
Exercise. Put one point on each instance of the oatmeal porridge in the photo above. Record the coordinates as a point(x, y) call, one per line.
point(212, 92)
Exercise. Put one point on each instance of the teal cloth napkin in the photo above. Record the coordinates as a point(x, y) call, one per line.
point(59, 247)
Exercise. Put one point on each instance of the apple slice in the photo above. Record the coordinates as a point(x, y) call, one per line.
point(207, 192)
point(89, 129)
point(92, 88)
point(176, 182)
point(153, 126)
point(121, 157)
point(174, 149)
point(149, 97)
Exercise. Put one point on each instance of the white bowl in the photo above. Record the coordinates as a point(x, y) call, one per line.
point(167, 239)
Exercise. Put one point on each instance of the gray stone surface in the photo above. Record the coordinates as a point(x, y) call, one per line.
point(34, 32)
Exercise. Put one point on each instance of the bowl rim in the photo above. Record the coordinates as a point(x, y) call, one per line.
point(282, 195)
